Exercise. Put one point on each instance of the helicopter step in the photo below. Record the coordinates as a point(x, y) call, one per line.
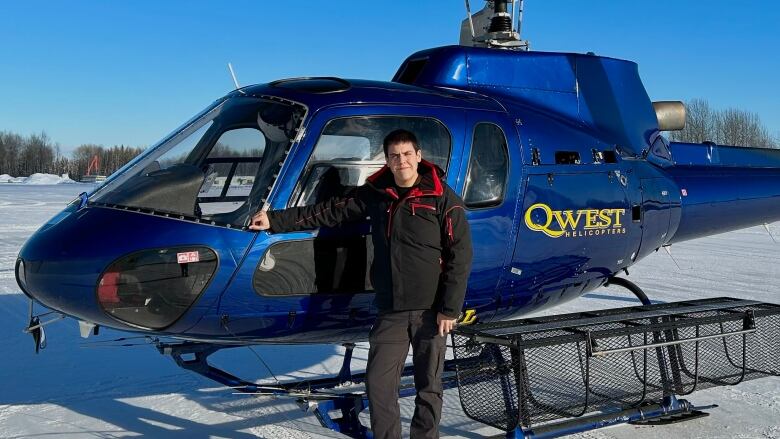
point(561, 374)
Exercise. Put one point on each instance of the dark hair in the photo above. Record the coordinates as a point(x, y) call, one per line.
point(400, 136)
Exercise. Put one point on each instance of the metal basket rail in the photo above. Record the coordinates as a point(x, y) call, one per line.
point(523, 373)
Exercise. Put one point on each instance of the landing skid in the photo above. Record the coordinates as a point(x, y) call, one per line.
point(320, 397)
point(674, 417)
point(314, 396)
point(551, 376)
point(668, 411)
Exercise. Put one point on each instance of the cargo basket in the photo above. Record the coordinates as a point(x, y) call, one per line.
point(523, 373)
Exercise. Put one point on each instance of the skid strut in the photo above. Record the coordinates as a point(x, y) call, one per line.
point(630, 286)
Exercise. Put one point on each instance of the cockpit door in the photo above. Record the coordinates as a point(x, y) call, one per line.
point(319, 281)
point(488, 184)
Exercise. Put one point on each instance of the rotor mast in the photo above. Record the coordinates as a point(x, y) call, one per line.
point(494, 26)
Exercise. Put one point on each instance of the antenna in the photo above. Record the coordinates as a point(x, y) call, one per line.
point(669, 252)
point(471, 22)
point(766, 226)
point(519, 19)
point(233, 74)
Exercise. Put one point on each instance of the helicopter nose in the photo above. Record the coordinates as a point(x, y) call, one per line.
point(146, 289)
point(149, 276)
point(56, 284)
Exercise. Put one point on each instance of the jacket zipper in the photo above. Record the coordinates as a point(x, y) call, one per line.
point(418, 205)
point(390, 211)
point(394, 208)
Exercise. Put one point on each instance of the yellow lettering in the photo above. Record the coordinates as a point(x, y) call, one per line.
point(544, 228)
point(618, 213)
point(469, 317)
point(604, 217)
point(597, 222)
point(566, 218)
point(591, 215)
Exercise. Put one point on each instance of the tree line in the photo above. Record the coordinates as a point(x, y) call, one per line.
point(724, 127)
point(21, 156)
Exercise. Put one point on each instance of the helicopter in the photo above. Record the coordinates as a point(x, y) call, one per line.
point(559, 158)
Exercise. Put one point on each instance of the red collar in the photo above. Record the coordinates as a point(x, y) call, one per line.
point(429, 183)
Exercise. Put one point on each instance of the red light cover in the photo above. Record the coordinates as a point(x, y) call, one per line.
point(108, 287)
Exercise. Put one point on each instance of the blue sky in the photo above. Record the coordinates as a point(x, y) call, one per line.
point(111, 72)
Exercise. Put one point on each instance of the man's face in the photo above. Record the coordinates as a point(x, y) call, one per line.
point(402, 160)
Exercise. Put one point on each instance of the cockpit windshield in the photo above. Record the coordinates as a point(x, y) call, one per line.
point(218, 168)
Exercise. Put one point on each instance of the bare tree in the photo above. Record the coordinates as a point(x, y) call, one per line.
point(725, 127)
point(699, 123)
point(10, 147)
point(37, 154)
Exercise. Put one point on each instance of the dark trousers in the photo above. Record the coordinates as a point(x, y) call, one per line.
point(389, 340)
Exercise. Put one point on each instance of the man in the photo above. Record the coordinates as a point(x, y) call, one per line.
point(422, 259)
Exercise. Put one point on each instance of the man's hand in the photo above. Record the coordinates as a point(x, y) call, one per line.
point(260, 221)
point(446, 324)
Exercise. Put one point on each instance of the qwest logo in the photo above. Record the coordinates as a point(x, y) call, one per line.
point(574, 223)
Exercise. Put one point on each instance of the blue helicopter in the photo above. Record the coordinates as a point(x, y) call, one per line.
point(559, 158)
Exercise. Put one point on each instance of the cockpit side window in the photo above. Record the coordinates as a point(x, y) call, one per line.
point(350, 149)
point(488, 167)
point(180, 153)
point(218, 169)
point(230, 169)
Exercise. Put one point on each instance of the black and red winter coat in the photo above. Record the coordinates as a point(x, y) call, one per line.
point(422, 241)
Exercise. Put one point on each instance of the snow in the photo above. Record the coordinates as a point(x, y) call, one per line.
point(37, 179)
point(5, 178)
point(78, 388)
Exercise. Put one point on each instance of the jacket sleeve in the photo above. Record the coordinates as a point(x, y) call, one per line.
point(456, 256)
point(329, 213)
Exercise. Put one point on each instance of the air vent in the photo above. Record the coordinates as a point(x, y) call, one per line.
point(609, 156)
point(412, 70)
point(567, 157)
point(636, 213)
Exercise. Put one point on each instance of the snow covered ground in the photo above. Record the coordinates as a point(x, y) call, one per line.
point(79, 388)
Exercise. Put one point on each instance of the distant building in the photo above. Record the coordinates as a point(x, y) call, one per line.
point(93, 178)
